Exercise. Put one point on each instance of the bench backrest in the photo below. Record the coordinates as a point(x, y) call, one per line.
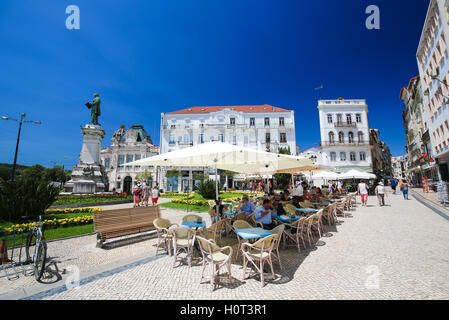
point(123, 217)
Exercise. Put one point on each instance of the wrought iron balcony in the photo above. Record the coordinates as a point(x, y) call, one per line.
point(345, 125)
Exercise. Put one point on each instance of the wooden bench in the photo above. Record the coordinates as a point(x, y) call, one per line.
point(123, 222)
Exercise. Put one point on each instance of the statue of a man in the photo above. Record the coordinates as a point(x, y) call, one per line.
point(94, 107)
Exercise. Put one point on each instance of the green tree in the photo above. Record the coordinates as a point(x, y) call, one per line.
point(145, 175)
point(173, 173)
point(207, 189)
point(282, 180)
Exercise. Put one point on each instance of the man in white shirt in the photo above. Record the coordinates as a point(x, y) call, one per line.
point(299, 192)
point(380, 192)
point(362, 190)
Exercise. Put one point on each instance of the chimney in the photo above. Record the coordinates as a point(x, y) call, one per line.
point(273, 108)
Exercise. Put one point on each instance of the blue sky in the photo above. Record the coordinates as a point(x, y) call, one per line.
point(145, 57)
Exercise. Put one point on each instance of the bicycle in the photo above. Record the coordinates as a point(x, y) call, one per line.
point(38, 258)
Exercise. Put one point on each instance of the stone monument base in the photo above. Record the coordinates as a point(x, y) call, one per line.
point(88, 177)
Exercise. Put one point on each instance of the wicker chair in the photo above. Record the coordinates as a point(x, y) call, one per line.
point(163, 234)
point(295, 233)
point(279, 232)
point(252, 220)
point(183, 239)
point(214, 231)
point(240, 224)
point(214, 257)
point(307, 229)
point(191, 217)
point(317, 223)
point(258, 254)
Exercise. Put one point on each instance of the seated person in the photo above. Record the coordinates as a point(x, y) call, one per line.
point(246, 206)
point(263, 214)
point(277, 207)
point(220, 211)
point(285, 196)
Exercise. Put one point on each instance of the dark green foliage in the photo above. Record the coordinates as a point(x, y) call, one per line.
point(29, 195)
point(207, 189)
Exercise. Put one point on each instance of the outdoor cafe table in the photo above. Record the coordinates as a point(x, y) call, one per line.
point(285, 218)
point(250, 233)
point(307, 210)
point(194, 224)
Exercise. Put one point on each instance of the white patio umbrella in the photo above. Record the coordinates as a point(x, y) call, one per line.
point(327, 175)
point(355, 174)
point(220, 155)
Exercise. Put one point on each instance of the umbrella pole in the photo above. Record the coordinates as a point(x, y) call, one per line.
point(216, 191)
point(188, 194)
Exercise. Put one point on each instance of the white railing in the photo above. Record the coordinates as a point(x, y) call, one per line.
point(359, 102)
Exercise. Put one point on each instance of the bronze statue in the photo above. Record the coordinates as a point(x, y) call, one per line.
point(94, 107)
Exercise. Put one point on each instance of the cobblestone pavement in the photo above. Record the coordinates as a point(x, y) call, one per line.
point(399, 251)
point(431, 199)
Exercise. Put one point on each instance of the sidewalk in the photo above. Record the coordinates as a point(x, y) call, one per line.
point(431, 200)
point(398, 251)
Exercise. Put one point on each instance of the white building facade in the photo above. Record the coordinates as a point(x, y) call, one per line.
point(433, 64)
point(263, 127)
point(128, 146)
point(344, 129)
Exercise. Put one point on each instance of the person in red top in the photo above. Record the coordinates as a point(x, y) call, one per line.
point(136, 193)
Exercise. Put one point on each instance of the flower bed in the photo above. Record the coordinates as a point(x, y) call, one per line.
point(50, 224)
point(73, 210)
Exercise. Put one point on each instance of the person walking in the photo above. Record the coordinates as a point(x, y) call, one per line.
point(154, 195)
point(339, 187)
point(393, 184)
point(362, 190)
point(404, 189)
point(136, 194)
point(380, 192)
point(146, 194)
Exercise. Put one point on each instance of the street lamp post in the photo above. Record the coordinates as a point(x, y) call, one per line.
point(22, 116)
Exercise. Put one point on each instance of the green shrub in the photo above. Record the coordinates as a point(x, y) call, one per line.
point(207, 189)
point(29, 195)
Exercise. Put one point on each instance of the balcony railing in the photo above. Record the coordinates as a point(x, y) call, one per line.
point(345, 125)
point(346, 143)
point(360, 102)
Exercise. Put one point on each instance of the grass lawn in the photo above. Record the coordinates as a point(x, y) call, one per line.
point(182, 206)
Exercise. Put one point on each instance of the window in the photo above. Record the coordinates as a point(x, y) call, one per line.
point(358, 118)
point(267, 138)
point(201, 138)
point(360, 134)
point(331, 137)
point(341, 137)
point(121, 161)
point(281, 121)
point(283, 137)
point(137, 157)
point(234, 140)
point(352, 156)
point(129, 158)
point(221, 137)
point(342, 156)
point(107, 161)
point(362, 156)
point(333, 156)
point(339, 118)
point(267, 121)
point(171, 139)
point(351, 137)
point(348, 118)
point(252, 122)
point(329, 118)
point(232, 121)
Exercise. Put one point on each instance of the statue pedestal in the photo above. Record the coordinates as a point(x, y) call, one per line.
point(89, 177)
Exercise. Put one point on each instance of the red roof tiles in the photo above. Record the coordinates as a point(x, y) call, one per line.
point(248, 109)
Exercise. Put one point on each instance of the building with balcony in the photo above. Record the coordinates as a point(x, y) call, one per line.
point(380, 155)
point(345, 136)
point(417, 133)
point(127, 146)
point(261, 127)
point(432, 58)
point(399, 166)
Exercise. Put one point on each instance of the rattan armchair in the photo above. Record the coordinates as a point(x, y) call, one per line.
point(258, 254)
point(296, 233)
point(214, 231)
point(183, 239)
point(279, 232)
point(215, 257)
point(163, 235)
